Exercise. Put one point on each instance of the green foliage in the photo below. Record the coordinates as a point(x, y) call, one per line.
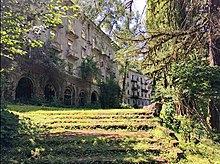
point(102, 136)
point(9, 128)
point(89, 69)
point(126, 106)
point(189, 86)
point(196, 80)
point(168, 118)
point(111, 16)
point(23, 19)
point(110, 94)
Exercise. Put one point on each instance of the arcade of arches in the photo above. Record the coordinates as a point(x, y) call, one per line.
point(25, 91)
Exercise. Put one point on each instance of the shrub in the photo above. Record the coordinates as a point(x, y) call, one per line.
point(168, 118)
point(126, 106)
point(9, 128)
point(110, 94)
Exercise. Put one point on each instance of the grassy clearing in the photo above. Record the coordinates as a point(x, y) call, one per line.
point(103, 136)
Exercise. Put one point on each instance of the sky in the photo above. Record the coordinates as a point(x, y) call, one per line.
point(139, 5)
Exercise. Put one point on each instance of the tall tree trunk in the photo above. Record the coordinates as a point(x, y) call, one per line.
point(214, 53)
point(124, 81)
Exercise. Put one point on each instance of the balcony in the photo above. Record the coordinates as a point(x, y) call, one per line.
point(72, 34)
point(135, 96)
point(144, 90)
point(135, 87)
point(96, 49)
point(133, 80)
point(60, 25)
point(68, 2)
point(56, 46)
point(72, 55)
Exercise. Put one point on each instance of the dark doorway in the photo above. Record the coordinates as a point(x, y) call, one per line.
point(94, 97)
point(24, 89)
point(68, 96)
point(49, 92)
point(82, 99)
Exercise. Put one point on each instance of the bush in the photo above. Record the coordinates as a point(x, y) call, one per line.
point(94, 105)
point(9, 128)
point(110, 94)
point(167, 116)
point(125, 106)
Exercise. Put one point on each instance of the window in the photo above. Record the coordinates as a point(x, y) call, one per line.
point(70, 68)
point(83, 52)
point(83, 34)
point(70, 25)
point(128, 92)
point(70, 43)
point(127, 84)
point(128, 101)
point(94, 42)
point(127, 75)
point(52, 34)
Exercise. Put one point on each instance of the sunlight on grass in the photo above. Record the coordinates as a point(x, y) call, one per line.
point(104, 136)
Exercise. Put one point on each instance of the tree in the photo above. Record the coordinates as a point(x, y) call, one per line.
point(89, 69)
point(214, 53)
point(23, 21)
point(180, 31)
point(112, 16)
point(22, 24)
point(110, 94)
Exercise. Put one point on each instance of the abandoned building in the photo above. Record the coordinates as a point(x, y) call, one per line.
point(137, 89)
point(54, 70)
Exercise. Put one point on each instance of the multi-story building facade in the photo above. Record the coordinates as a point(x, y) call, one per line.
point(137, 91)
point(54, 70)
point(37, 74)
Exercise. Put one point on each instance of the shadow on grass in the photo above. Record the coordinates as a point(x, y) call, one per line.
point(90, 149)
point(32, 108)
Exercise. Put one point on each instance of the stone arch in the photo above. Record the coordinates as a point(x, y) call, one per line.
point(73, 96)
point(49, 92)
point(82, 98)
point(94, 97)
point(68, 96)
point(24, 89)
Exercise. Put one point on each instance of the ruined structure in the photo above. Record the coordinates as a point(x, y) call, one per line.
point(137, 89)
point(54, 71)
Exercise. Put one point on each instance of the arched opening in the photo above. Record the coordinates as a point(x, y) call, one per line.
point(68, 96)
point(73, 96)
point(94, 97)
point(82, 99)
point(24, 89)
point(49, 92)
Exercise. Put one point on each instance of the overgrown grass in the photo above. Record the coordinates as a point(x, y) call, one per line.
point(103, 136)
